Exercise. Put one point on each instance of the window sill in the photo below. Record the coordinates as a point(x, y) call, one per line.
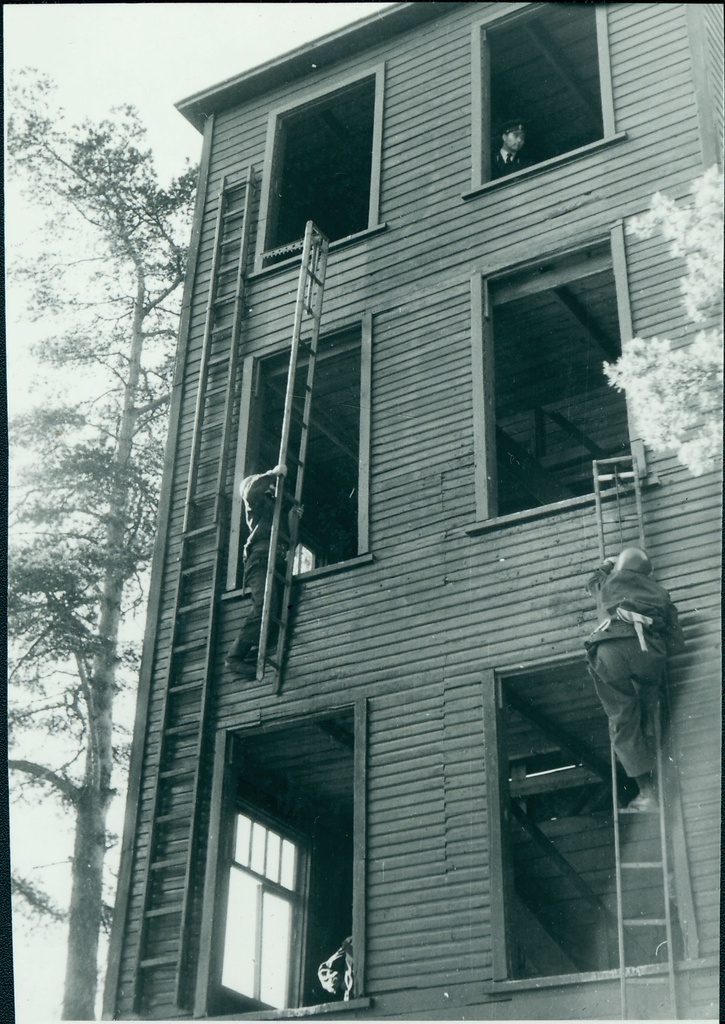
point(545, 165)
point(313, 574)
point(362, 1003)
point(542, 511)
point(339, 243)
point(645, 971)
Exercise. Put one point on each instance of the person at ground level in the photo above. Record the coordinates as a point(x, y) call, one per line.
point(509, 153)
point(258, 499)
point(626, 654)
point(336, 973)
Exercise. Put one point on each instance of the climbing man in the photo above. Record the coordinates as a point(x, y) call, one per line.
point(626, 656)
point(258, 497)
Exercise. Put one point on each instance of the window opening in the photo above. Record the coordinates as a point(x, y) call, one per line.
point(553, 327)
point(557, 833)
point(288, 903)
point(330, 497)
point(544, 72)
point(322, 168)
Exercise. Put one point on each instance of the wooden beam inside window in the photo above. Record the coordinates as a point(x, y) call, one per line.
point(585, 319)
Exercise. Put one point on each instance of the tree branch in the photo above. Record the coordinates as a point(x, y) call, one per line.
point(36, 771)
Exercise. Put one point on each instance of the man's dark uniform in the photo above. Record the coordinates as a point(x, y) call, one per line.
point(501, 167)
point(627, 653)
point(259, 513)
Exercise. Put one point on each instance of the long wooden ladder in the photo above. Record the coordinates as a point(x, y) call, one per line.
point(285, 524)
point(163, 943)
point(617, 486)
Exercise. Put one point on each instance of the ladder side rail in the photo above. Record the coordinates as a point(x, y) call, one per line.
point(618, 882)
point(280, 486)
point(205, 349)
point(195, 802)
point(196, 442)
point(182, 560)
point(238, 315)
point(214, 584)
point(598, 509)
point(314, 304)
point(665, 867)
point(638, 501)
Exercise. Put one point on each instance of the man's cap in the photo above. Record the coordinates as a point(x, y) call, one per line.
point(511, 124)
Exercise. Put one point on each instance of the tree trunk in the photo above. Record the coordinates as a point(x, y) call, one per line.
point(86, 906)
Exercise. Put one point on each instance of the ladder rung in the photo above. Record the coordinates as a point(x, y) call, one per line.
point(177, 908)
point(224, 300)
point(190, 534)
point(176, 773)
point(639, 865)
point(158, 961)
point(633, 810)
point(647, 979)
point(644, 922)
point(231, 214)
point(170, 862)
point(185, 687)
point(193, 570)
point(194, 606)
point(627, 475)
point(165, 819)
point(205, 495)
point(192, 645)
point(180, 730)
point(222, 358)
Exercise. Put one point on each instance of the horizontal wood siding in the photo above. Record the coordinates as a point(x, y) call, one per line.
point(415, 630)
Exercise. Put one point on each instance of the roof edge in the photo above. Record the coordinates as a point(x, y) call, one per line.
point(322, 52)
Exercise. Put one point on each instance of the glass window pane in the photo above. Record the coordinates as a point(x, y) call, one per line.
point(276, 926)
point(240, 939)
point(274, 843)
point(259, 836)
point(289, 862)
point(241, 849)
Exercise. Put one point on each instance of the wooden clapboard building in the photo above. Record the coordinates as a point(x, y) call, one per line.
point(430, 770)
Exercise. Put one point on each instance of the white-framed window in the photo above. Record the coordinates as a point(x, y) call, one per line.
point(543, 408)
point(546, 65)
point(322, 163)
point(262, 912)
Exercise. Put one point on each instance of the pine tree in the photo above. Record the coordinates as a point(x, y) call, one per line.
point(105, 285)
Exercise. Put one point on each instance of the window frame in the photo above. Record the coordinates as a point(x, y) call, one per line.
point(223, 810)
point(483, 377)
point(274, 125)
point(250, 369)
point(481, 127)
point(296, 898)
point(500, 867)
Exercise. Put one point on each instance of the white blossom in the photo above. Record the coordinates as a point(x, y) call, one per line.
point(675, 392)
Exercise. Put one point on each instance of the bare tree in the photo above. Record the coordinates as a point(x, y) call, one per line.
point(105, 284)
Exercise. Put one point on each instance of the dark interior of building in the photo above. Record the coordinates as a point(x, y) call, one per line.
point(323, 161)
point(555, 411)
point(559, 842)
point(545, 70)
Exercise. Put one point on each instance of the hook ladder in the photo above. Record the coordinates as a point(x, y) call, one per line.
point(308, 311)
point(162, 964)
point(642, 861)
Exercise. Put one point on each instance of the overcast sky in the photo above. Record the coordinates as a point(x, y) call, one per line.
point(100, 56)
